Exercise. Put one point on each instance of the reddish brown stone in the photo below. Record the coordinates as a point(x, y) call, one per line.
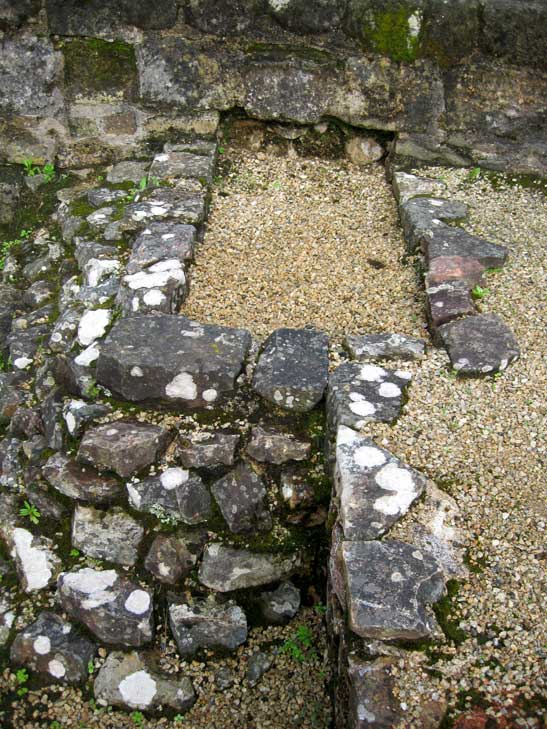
point(123, 122)
point(453, 268)
point(447, 301)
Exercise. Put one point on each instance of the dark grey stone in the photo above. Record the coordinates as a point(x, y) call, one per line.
point(103, 196)
point(186, 203)
point(38, 293)
point(86, 250)
point(309, 16)
point(125, 448)
point(444, 240)
point(11, 471)
point(24, 343)
point(240, 496)
point(292, 369)
point(111, 535)
point(372, 704)
point(173, 556)
point(385, 346)
point(116, 610)
point(205, 450)
point(224, 678)
point(131, 681)
point(224, 568)
point(257, 666)
point(78, 413)
point(64, 331)
point(479, 345)
point(15, 12)
point(360, 393)
point(297, 488)
point(207, 624)
point(29, 71)
point(419, 213)
point(162, 242)
point(272, 446)
point(127, 171)
point(8, 613)
point(390, 586)
point(447, 301)
point(103, 18)
point(177, 165)
point(53, 646)
point(374, 487)
point(280, 606)
point(199, 363)
point(175, 495)
point(160, 288)
point(79, 482)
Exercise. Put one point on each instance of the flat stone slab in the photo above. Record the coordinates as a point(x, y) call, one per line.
point(161, 242)
point(447, 301)
point(199, 363)
point(371, 703)
point(292, 370)
point(390, 586)
point(205, 450)
point(240, 496)
point(116, 610)
point(455, 268)
point(53, 646)
point(419, 214)
point(125, 448)
point(272, 446)
point(184, 204)
point(374, 487)
point(112, 535)
point(479, 345)
point(80, 482)
point(183, 164)
point(385, 346)
point(129, 680)
point(225, 568)
point(207, 624)
point(127, 170)
point(359, 393)
point(446, 241)
point(406, 186)
point(172, 556)
point(176, 494)
point(159, 288)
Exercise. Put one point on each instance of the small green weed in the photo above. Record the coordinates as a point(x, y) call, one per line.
point(320, 609)
point(474, 174)
point(90, 667)
point(31, 512)
point(7, 245)
point(479, 292)
point(74, 553)
point(55, 724)
point(48, 170)
point(137, 717)
point(21, 676)
point(300, 646)
point(30, 168)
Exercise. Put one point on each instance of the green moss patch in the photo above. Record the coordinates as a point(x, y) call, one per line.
point(96, 67)
point(394, 33)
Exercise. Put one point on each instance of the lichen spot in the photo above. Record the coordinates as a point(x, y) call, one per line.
point(363, 408)
point(182, 387)
point(372, 373)
point(138, 602)
point(173, 477)
point(136, 372)
point(389, 389)
point(138, 689)
point(42, 645)
point(210, 395)
point(369, 457)
point(56, 668)
point(400, 482)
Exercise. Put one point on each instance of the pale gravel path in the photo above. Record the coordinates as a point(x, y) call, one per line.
point(485, 442)
point(290, 243)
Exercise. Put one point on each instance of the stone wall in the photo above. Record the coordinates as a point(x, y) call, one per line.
point(462, 82)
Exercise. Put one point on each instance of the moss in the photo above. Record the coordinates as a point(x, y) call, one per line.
point(390, 33)
point(97, 67)
point(443, 612)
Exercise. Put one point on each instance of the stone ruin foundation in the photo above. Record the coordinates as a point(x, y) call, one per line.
point(187, 475)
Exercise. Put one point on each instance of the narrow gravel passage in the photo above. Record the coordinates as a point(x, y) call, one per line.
point(292, 242)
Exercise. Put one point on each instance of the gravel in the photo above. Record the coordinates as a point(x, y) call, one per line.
point(292, 693)
point(298, 241)
point(485, 442)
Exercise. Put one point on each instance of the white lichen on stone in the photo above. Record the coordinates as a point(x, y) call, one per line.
point(36, 563)
point(138, 602)
point(93, 325)
point(182, 386)
point(138, 689)
point(173, 477)
point(369, 457)
point(400, 482)
point(42, 645)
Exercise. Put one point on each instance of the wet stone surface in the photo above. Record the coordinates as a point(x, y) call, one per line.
point(358, 393)
point(292, 369)
point(54, 647)
point(114, 609)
